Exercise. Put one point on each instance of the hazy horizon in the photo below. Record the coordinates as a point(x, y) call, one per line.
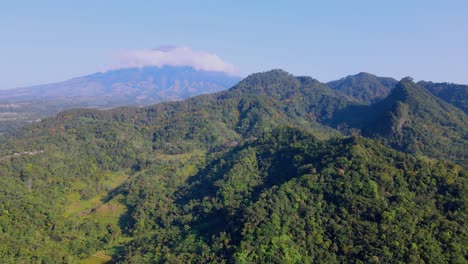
point(235, 75)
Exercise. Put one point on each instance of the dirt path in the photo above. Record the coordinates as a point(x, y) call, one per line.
point(25, 153)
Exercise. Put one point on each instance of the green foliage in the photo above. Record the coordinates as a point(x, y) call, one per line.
point(288, 198)
point(455, 94)
point(412, 120)
point(364, 87)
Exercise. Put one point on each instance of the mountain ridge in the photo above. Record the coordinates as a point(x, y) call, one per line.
point(455, 94)
point(410, 119)
point(413, 120)
point(364, 87)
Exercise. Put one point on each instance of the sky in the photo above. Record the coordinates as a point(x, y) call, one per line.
point(49, 41)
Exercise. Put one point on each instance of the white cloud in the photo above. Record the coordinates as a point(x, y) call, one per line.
point(173, 56)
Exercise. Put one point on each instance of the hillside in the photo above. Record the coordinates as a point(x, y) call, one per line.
point(281, 198)
point(412, 120)
point(455, 94)
point(364, 87)
point(288, 198)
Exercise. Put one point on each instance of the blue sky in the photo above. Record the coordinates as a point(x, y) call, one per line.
point(47, 41)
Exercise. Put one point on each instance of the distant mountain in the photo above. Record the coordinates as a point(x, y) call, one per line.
point(364, 87)
point(133, 86)
point(413, 120)
point(455, 94)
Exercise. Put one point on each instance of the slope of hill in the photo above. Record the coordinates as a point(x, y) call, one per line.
point(288, 198)
point(455, 94)
point(413, 120)
point(132, 86)
point(364, 87)
point(283, 197)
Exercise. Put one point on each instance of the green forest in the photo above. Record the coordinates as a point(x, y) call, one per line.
point(277, 169)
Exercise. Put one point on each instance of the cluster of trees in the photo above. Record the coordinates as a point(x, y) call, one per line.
point(289, 198)
point(455, 94)
point(364, 87)
point(412, 120)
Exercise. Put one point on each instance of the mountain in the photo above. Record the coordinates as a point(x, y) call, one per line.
point(455, 94)
point(253, 174)
point(132, 86)
point(410, 119)
point(413, 120)
point(129, 86)
point(364, 87)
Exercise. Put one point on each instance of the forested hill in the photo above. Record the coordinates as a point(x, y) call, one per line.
point(285, 197)
point(413, 120)
point(367, 88)
point(455, 94)
point(253, 174)
point(289, 198)
point(410, 119)
point(364, 87)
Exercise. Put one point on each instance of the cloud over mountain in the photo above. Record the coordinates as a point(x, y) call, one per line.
point(173, 56)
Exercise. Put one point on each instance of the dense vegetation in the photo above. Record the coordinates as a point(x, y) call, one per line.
point(289, 198)
point(364, 87)
point(412, 120)
point(455, 94)
point(249, 175)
